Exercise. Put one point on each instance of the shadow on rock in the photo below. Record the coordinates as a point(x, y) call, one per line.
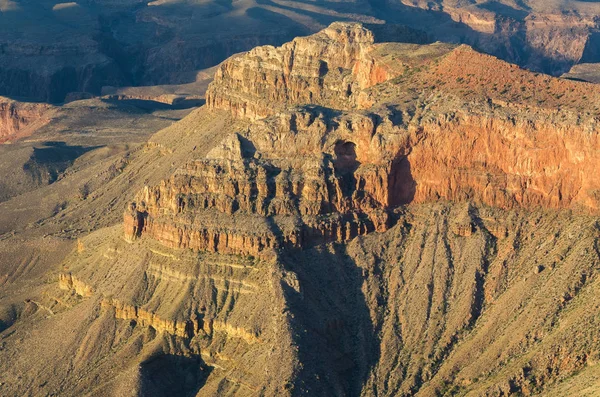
point(173, 375)
point(49, 161)
point(332, 325)
point(402, 185)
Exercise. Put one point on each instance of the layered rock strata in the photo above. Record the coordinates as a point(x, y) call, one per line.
point(325, 69)
point(542, 36)
point(473, 134)
point(300, 176)
point(248, 196)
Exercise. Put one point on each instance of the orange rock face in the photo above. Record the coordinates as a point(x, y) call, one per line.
point(15, 117)
point(508, 164)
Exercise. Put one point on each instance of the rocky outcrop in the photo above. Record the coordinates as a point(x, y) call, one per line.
point(488, 156)
point(122, 311)
point(325, 69)
point(15, 117)
point(353, 247)
point(252, 195)
point(70, 282)
point(503, 155)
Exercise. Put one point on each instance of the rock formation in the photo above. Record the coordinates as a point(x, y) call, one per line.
point(68, 282)
point(323, 158)
point(539, 35)
point(245, 198)
point(522, 155)
point(15, 117)
point(308, 70)
point(345, 217)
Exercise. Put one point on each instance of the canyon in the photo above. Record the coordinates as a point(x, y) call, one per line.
point(88, 46)
point(344, 216)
